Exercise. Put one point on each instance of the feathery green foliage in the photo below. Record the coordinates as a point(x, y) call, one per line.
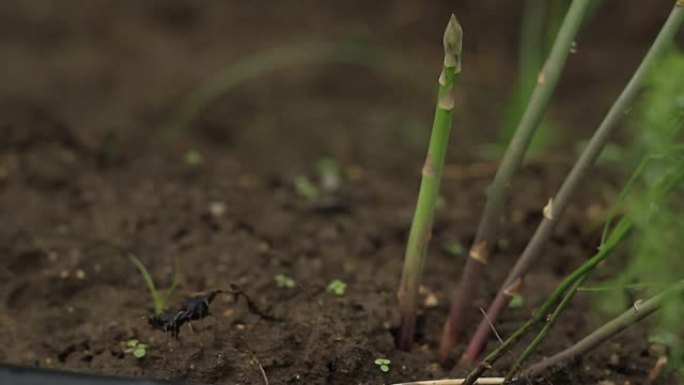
point(658, 243)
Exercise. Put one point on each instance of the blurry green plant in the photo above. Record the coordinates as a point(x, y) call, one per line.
point(517, 301)
point(655, 246)
point(454, 248)
point(538, 28)
point(337, 287)
point(305, 188)
point(329, 174)
point(536, 31)
point(329, 179)
point(284, 282)
point(159, 298)
point(193, 158)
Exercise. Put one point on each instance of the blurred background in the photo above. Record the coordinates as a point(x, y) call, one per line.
point(290, 81)
point(108, 107)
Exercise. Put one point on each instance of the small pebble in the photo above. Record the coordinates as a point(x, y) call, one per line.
point(80, 274)
point(264, 247)
point(217, 209)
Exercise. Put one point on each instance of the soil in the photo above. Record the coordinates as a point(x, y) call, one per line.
point(87, 87)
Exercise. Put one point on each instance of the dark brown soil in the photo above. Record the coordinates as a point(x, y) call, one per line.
point(84, 180)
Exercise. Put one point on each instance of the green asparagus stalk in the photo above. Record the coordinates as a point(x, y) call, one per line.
point(498, 190)
point(556, 206)
point(619, 233)
point(421, 228)
point(568, 287)
point(657, 196)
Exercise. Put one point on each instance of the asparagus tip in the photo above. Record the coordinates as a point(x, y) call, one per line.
point(453, 42)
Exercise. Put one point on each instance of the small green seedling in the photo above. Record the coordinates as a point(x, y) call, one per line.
point(284, 282)
point(337, 287)
point(454, 249)
point(384, 364)
point(159, 298)
point(305, 188)
point(503, 244)
point(329, 174)
point(136, 348)
point(517, 301)
point(193, 158)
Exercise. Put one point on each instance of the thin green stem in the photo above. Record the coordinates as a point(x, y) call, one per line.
point(621, 197)
point(639, 311)
point(545, 330)
point(421, 227)
point(157, 300)
point(571, 283)
point(512, 159)
point(556, 206)
point(621, 230)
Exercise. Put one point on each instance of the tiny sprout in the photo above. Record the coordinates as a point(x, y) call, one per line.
point(453, 248)
point(329, 173)
point(517, 301)
point(284, 282)
point(305, 188)
point(193, 158)
point(503, 244)
point(383, 363)
point(337, 287)
point(136, 348)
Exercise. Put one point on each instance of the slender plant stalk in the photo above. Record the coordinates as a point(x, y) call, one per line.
point(159, 298)
point(421, 228)
point(556, 206)
point(498, 190)
point(522, 358)
point(617, 235)
point(571, 283)
point(576, 286)
point(636, 313)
